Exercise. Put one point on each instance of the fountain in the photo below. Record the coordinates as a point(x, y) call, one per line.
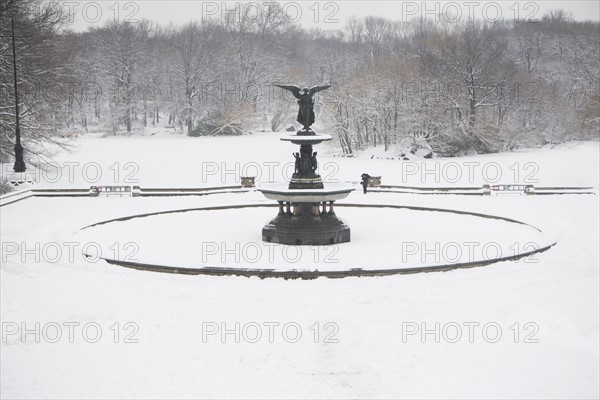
point(306, 214)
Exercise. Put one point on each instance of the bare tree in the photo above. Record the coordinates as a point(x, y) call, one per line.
point(195, 53)
point(41, 56)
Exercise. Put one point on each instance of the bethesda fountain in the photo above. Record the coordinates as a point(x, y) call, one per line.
point(306, 215)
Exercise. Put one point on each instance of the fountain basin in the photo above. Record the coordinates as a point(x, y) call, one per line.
point(306, 216)
point(279, 191)
point(306, 139)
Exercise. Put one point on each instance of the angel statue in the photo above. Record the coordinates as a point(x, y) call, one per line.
point(306, 115)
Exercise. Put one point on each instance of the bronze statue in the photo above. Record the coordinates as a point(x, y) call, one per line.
point(297, 164)
point(313, 162)
point(306, 165)
point(306, 114)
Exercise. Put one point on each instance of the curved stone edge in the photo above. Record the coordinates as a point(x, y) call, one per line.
point(307, 275)
point(266, 205)
point(308, 139)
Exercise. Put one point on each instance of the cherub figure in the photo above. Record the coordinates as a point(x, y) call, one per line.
point(313, 162)
point(297, 163)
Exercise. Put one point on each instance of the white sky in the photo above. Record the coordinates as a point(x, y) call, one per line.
point(324, 14)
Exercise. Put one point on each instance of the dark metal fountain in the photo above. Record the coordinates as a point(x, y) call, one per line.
point(306, 215)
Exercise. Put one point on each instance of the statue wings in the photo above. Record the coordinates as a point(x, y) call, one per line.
point(296, 91)
point(316, 89)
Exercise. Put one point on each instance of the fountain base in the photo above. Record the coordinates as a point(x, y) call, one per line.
point(306, 224)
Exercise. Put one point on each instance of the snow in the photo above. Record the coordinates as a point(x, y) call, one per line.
point(176, 357)
point(172, 160)
point(279, 191)
point(200, 238)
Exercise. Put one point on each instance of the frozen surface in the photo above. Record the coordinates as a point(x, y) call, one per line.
point(177, 161)
point(556, 355)
point(195, 239)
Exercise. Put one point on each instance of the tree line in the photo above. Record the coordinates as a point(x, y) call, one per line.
point(451, 89)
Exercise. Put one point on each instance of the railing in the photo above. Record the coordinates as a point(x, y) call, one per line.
point(135, 191)
point(121, 191)
point(515, 189)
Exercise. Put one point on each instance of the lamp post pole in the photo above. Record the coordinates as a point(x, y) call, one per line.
point(19, 163)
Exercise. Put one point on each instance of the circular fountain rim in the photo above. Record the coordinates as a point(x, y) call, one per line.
point(280, 191)
point(306, 139)
point(248, 271)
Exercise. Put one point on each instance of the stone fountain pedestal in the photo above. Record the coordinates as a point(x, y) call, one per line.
point(306, 211)
point(306, 216)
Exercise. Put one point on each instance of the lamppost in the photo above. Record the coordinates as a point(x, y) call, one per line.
point(19, 163)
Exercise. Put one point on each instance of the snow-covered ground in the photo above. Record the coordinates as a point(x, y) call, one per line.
point(207, 238)
point(513, 329)
point(173, 160)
